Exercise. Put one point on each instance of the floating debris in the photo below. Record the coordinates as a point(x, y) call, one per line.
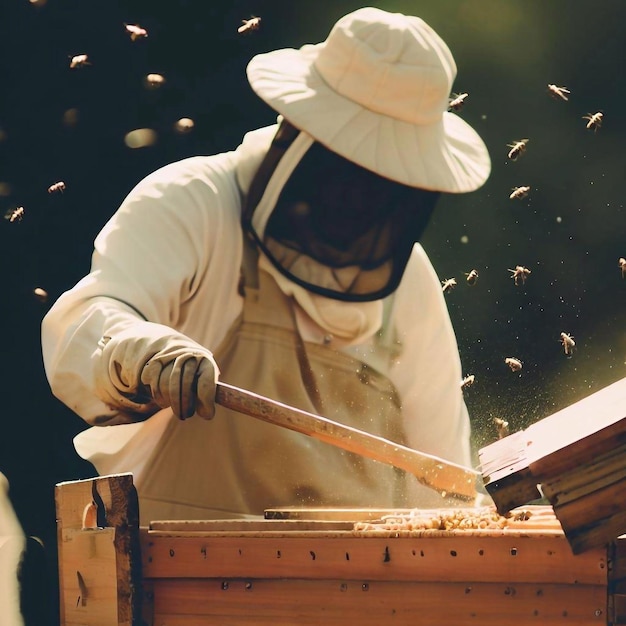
point(70, 117)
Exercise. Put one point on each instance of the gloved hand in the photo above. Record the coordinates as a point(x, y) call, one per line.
point(147, 366)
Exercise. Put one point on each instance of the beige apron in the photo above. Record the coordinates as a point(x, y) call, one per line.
point(235, 465)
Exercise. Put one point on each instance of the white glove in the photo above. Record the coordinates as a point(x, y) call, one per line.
point(147, 366)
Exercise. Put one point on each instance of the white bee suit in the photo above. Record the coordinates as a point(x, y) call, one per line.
point(172, 255)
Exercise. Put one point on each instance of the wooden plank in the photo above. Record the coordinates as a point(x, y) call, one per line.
point(488, 559)
point(370, 603)
point(115, 500)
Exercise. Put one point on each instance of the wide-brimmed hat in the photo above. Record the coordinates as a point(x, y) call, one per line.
point(377, 92)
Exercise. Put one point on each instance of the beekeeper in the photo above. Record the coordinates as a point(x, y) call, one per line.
point(290, 267)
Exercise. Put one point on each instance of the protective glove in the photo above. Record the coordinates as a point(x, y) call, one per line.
point(149, 366)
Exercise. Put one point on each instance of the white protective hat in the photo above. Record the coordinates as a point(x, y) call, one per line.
point(376, 92)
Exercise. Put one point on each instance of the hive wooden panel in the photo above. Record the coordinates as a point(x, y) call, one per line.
point(303, 571)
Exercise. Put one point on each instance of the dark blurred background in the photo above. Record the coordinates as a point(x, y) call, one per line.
point(63, 124)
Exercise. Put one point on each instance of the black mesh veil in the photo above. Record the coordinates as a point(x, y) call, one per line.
point(340, 230)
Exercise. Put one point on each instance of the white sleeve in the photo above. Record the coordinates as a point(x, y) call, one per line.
point(428, 372)
point(147, 264)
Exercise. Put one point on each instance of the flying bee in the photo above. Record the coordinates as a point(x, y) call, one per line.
point(448, 284)
point(513, 363)
point(135, 31)
point(78, 61)
point(517, 149)
point(594, 120)
point(14, 215)
point(568, 344)
point(622, 266)
point(60, 186)
point(472, 277)
point(250, 25)
point(502, 426)
point(467, 381)
point(520, 273)
point(154, 81)
point(559, 92)
point(457, 101)
point(519, 192)
point(40, 294)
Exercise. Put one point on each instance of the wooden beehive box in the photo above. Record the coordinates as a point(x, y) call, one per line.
point(577, 457)
point(314, 571)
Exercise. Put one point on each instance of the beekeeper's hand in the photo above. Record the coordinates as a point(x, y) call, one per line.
point(147, 366)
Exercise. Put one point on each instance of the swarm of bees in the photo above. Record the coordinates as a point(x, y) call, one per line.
point(513, 363)
point(517, 149)
point(568, 344)
point(519, 273)
point(622, 265)
point(559, 92)
point(457, 101)
point(60, 187)
point(14, 215)
point(594, 120)
point(135, 31)
point(448, 284)
point(248, 26)
point(78, 61)
point(519, 192)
